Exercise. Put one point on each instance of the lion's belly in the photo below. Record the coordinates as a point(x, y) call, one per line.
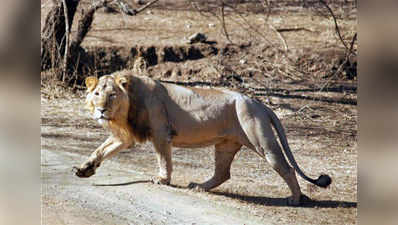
point(203, 131)
point(196, 143)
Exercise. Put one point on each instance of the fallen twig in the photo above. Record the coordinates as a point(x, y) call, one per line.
point(293, 29)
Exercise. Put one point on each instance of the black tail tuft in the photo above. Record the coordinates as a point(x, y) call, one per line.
point(323, 181)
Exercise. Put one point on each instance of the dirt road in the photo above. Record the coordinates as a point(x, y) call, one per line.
point(117, 195)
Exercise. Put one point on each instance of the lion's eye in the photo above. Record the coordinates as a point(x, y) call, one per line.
point(113, 95)
point(96, 93)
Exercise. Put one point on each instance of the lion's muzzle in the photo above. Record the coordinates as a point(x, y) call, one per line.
point(100, 113)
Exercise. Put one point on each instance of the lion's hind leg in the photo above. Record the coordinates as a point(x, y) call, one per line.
point(278, 162)
point(274, 156)
point(261, 139)
point(267, 147)
point(224, 155)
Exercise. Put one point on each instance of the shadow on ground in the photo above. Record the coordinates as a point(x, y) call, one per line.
point(125, 183)
point(306, 202)
point(259, 200)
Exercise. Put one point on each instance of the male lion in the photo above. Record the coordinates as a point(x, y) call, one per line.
point(137, 109)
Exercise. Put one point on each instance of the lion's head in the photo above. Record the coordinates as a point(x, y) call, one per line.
point(107, 98)
point(116, 102)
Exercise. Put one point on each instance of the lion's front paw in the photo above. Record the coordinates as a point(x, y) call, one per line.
point(196, 187)
point(160, 180)
point(87, 170)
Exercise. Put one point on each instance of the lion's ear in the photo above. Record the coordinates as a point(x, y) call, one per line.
point(122, 81)
point(91, 83)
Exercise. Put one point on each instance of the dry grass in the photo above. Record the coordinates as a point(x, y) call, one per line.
point(169, 27)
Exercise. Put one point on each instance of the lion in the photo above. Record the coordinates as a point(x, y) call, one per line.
point(138, 109)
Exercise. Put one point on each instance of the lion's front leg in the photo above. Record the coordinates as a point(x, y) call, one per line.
point(110, 147)
point(161, 139)
point(163, 154)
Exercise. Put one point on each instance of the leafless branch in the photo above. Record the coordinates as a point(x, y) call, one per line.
point(195, 5)
point(67, 32)
point(251, 27)
point(280, 36)
point(223, 22)
point(336, 25)
point(125, 8)
point(352, 43)
point(87, 19)
point(340, 68)
point(146, 6)
point(268, 6)
point(221, 19)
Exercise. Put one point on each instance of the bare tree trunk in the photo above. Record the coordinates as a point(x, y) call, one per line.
point(54, 53)
point(85, 24)
point(53, 36)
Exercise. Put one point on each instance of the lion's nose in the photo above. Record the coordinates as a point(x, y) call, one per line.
point(101, 110)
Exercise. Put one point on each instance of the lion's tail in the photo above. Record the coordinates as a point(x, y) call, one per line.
point(322, 181)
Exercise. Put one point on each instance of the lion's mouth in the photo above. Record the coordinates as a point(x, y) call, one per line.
point(103, 121)
point(102, 117)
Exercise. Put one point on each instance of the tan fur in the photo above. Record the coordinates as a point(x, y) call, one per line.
point(170, 115)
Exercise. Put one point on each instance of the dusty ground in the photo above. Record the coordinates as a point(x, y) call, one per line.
point(319, 114)
point(255, 193)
